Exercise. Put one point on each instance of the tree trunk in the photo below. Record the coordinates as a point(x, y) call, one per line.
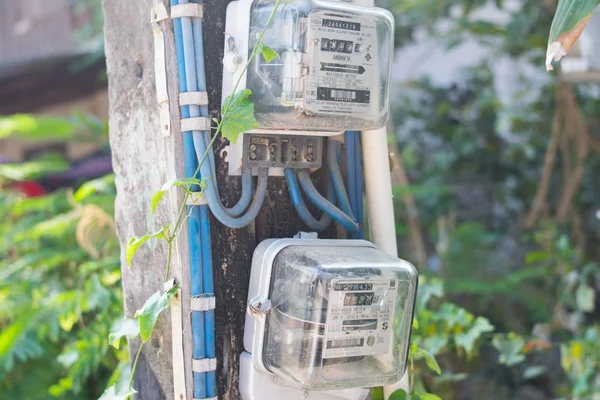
point(143, 160)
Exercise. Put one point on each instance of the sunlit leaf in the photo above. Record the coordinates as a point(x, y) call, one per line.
point(510, 347)
point(32, 170)
point(569, 22)
point(101, 185)
point(467, 339)
point(112, 393)
point(127, 328)
point(174, 182)
point(419, 353)
point(428, 396)
point(398, 395)
point(534, 371)
point(10, 335)
point(135, 242)
point(586, 298)
point(268, 53)
point(238, 115)
point(152, 308)
point(30, 127)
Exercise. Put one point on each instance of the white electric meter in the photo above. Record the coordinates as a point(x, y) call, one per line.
point(333, 67)
point(326, 315)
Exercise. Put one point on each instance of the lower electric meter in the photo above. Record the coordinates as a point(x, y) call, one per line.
point(332, 66)
point(329, 314)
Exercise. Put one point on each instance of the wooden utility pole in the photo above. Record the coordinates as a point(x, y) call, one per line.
point(143, 160)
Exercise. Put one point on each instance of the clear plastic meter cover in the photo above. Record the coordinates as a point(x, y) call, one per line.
point(341, 317)
point(333, 67)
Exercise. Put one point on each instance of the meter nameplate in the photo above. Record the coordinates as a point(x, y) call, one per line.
point(343, 59)
point(360, 317)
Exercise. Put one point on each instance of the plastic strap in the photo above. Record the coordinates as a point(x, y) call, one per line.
point(208, 398)
point(159, 13)
point(193, 98)
point(203, 303)
point(204, 365)
point(193, 10)
point(178, 358)
point(195, 124)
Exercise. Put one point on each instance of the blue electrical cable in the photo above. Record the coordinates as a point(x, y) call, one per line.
point(200, 70)
point(215, 203)
point(355, 179)
point(349, 144)
point(194, 219)
point(336, 178)
point(321, 202)
point(359, 210)
point(303, 212)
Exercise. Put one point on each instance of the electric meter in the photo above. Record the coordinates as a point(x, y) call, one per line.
point(327, 315)
point(333, 64)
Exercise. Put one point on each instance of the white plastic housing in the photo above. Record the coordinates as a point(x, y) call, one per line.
point(333, 67)
point(341, 313)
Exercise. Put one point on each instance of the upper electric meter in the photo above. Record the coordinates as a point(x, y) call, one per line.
point(328, 314)
point(333, 64)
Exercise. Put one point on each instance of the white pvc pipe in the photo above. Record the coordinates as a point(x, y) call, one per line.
point(382, 225)
point(378, 184)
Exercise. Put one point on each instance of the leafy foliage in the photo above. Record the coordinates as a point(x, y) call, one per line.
point(59, 279)
point(152, 308)
point(57, 301)
point(569, 22)
point(238, 115)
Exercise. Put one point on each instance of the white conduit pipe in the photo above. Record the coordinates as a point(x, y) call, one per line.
point(380, 203)
point(382, 225)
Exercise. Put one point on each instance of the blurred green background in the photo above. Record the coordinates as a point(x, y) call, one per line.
point(496, 167)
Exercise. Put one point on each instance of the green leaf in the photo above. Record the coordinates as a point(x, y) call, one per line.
point(586, 298)
point(510, 347)
point(112, 393)
point(431, 362)
point(268, 53)
point(569, 22)
point(135, 242)
point(534, 371)
point(428, 396)
point(153, 307)
point(398, 395)
point(467, 339)
point(97, 296)
point(106, 184)
point(419, 353)
point(188, 182)
point(30, 127)
point(126, 328)
point(238, 115)
point(33, 169)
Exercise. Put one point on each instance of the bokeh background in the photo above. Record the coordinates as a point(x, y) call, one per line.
point(496, 182)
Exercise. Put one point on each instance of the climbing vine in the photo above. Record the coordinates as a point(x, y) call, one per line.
point(237, 116)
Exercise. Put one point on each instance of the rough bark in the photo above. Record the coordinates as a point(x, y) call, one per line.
point(143, 160)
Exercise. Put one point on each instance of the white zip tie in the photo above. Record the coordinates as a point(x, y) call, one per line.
point(196, 199)
point(204, 365)
point(193, 98)
point(195, 124)
point(203, 303)
point(193, 10)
